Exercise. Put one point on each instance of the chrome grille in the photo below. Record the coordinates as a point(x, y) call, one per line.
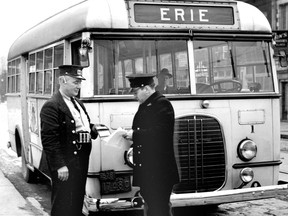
point(199, 150)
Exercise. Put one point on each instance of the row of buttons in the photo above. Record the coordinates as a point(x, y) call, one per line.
point(74, 142)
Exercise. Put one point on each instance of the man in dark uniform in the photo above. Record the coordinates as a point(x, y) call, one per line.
point(66, 134)
point(152, 131)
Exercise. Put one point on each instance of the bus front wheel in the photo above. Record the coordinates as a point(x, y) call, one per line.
point(28, 175)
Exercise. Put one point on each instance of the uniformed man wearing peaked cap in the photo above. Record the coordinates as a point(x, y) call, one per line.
point(66, 134)
point(71, 70)
point(155, 169)
point(140, 80)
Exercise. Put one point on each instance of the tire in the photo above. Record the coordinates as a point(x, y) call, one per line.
point(28, 175)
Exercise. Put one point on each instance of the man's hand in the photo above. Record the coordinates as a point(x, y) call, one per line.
point(63, 173)
point(128, 135)
point(94, 129)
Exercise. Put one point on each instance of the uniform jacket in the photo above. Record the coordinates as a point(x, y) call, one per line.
point(153, 152)
point(58, 134)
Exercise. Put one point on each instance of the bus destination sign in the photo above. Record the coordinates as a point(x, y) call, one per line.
point(145, 14)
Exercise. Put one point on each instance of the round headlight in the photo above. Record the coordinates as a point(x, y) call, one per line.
point(128, 156)
point(247, 150)
point(247, 175)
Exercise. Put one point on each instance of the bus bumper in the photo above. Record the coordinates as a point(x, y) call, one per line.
point(227, 196)
point(189, 199)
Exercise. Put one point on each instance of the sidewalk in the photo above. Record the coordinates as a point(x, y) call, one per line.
point(13, 204)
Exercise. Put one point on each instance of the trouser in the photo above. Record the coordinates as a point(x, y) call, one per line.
point(157, 200)
point(67, 196)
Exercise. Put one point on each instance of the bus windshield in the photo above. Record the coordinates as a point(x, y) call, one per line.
point(226, 67)
point(114, 60)
point(219, 66)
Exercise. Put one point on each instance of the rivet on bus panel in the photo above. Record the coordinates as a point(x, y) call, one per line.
point(205, 104)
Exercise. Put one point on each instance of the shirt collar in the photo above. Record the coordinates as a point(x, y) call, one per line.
point(64, 95)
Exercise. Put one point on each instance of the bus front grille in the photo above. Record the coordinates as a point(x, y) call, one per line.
point(200, 156)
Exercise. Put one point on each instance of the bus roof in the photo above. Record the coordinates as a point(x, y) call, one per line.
point(110, 14)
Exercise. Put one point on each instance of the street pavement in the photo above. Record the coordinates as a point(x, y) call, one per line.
point(13, 204)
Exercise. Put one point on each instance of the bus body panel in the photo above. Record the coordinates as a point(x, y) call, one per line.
point(251, 15)
point(234, 130)
point(106, 14)
point(15, 119)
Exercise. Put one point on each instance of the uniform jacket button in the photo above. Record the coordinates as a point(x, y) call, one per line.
point(74, 142)
point(140, 165)
point(75, 152)
point(72, 121)
point(73, 131)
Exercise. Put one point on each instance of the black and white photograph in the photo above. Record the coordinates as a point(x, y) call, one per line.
point(144, 107)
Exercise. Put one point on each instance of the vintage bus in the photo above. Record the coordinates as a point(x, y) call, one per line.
point(224, 92)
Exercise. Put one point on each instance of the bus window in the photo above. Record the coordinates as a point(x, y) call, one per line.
point(75, 52)
point(114, 60)
point(56, 84)
point(39, 61)
point(58, 60)
point(231, 67)
point(13, 78)
point(58, 55)
point(17, 75)
point(254, 66)
point(39, 72)
point(181, 66)
point(39, 82)
point(32, 69)
point(47, 81)
point(48, 58)
point(42, 65)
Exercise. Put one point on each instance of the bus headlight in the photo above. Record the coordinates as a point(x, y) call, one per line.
point(247, 150)
point(247, 175)
point(128, 156)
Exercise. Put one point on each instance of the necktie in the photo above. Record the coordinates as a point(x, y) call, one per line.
point(75, 105)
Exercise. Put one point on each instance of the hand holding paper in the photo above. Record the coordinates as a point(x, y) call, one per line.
point(128, 135)
point(116, 139)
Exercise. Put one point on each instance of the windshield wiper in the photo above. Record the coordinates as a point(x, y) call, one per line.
point(265, 59)
point(232, 60)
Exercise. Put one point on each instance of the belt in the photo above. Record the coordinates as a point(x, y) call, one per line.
point(84, 137)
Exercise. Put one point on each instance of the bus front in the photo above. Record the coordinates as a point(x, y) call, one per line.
point(223, 88)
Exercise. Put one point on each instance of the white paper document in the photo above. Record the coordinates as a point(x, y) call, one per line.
point(116, 139)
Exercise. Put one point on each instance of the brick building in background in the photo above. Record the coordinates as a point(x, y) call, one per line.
point(276, 12)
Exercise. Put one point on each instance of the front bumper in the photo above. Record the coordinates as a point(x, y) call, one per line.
point(190, 199)
point(227, 196)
